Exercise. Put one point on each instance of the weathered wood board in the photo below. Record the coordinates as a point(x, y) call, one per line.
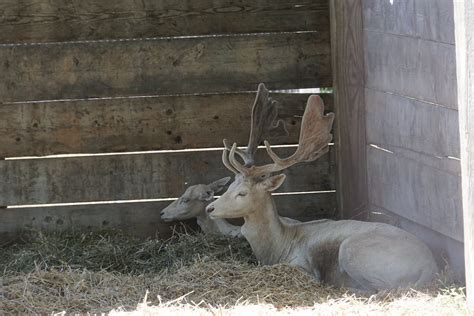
point(84, 76)
point(136, 176)
point(412, 119)
point(401, 122)
point(426, 19)
point(409, 188)
point(412, 67)
point(57, 20)
point(161, 66)
point(348, 64)
point(138, 124)
point(129, 217)
point(464, 17)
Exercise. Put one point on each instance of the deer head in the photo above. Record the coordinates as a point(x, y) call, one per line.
point(253, 184)
point(244, 196)
point(193, 201)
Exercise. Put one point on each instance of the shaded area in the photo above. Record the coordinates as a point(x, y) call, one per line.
point(114, 251)
point(98, 272)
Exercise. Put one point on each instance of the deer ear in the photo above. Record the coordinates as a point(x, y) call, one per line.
point(218, 185)
point(273, 183)
point(207, 195)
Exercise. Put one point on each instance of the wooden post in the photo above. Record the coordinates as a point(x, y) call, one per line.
point(347, 44)
point(464, 30)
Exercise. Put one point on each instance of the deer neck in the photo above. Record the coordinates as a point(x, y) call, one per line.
point(266, 234)
point(207, 225)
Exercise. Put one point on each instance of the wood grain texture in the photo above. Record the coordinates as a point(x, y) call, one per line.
point(140, 219)
point(449, 165)
point(136, 176)
point(160, 66)
point(348, 64)
point(427, 19)
point(412, 67)
point(464, 17)
point(412, 120)
point(56, 20)
point(401, 122)
point(138, 124)
point(413, 190)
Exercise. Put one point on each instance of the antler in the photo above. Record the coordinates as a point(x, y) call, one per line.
point(264, 124)
point(313, 143)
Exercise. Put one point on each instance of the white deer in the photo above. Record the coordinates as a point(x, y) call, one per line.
point(360, 255)
point(192, 204)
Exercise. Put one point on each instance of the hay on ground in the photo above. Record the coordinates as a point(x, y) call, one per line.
point(98, 272)
point(215, 282)
point(115, 251)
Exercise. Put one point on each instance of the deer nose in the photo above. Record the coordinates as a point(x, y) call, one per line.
point(210, 209)
point(162, 213)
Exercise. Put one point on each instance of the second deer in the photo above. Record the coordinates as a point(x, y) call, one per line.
point(192, 204)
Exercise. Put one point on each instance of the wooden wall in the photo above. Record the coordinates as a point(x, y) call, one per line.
point(412, 129)
point(464, 24)
point(141, 82)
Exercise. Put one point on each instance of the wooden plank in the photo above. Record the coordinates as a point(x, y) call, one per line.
point(421, 69)
point(138, 219)
point(135, 176)
point(138, 124)
point(427, 19)
point(141, 219)
point(464, 17)
point(349, 82)
point(420, 193)
point(446, 164)
point(57, 20)
point(401, 122)
point(163, 66)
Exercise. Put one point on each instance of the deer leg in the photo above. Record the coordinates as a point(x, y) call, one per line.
point(357, 259)
point(386, 260)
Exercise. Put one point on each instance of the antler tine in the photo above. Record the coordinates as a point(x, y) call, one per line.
point(225, 160)
point(243, 154)
point(313, 142)
point(240, 168)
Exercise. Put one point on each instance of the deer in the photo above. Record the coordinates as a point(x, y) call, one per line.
point(358, 255)
point(192, 203)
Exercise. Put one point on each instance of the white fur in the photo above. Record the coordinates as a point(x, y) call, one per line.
point(361, 255)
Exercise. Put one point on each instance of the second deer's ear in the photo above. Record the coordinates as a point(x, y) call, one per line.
point(206, 196)
point(218, 185)
point(273, 183)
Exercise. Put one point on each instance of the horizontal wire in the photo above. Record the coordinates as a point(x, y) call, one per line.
point(145, 200)
point(148, 152)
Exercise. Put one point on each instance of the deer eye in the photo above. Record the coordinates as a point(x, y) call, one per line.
point(243, 193)
point(184, 200)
